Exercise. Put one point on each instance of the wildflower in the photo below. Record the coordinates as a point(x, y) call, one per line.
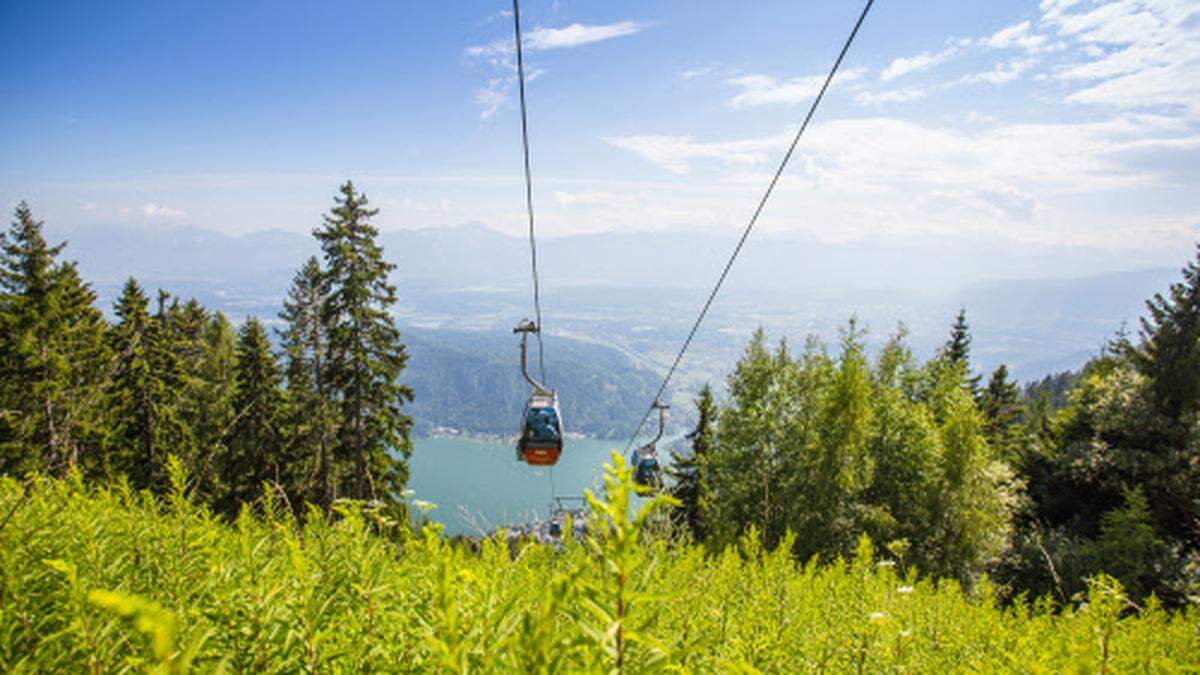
point(876, 616)
point(905, 589)
point(886, 563)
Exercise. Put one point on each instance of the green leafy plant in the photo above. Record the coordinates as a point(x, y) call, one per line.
point(103, 579)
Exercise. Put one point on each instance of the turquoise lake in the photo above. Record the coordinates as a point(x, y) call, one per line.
point(479, 485)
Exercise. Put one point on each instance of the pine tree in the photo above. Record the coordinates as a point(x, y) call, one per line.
point(958, 347)
point(255, 446)
point(313, 422)
point(366, 356)
point(132, 397)
point(1002, 408)
point(206, 405)
point(1170, 351)
point(52, 356)
point(688, 470)
point(169, 345)
point(957, 350)
point(142, 399)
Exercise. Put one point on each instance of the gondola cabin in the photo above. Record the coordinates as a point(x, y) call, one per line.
point(541, 440)
point(646, 469)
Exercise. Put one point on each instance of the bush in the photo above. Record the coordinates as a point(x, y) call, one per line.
point(104, 579)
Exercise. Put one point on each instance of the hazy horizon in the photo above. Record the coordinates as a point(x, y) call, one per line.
point(1073, 124)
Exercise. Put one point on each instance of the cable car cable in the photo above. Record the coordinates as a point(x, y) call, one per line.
point(537, 300)
point(753, 220)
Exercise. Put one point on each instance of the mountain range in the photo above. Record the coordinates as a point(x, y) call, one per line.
point(618, 305)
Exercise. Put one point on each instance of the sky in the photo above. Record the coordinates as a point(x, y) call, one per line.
point(1055, 122)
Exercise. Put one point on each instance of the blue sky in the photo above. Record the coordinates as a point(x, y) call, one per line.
point(1070, 122)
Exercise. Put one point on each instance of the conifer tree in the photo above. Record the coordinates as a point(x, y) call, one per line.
point(366, 356)
point(688, 470)
point(1170, 351)
point(957, 350)
point(169, 346)
point(146, 426)
point(52, 356)
point(958, 347)
point(1002, 408)
point(313, 422)
point(255, 447)
point(206, 405)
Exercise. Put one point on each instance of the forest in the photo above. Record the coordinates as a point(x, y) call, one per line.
point(178, 491)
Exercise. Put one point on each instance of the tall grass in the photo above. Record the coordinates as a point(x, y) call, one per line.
point(102, 579)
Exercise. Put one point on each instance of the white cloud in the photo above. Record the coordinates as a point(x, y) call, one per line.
point(1139, 54)
point(860, 156)
point(675, 153)
point(579, 34)
point(1009, 201)
point(545, 39)
point(1103, 182)
point(893, 96)
point(584, 198)
point(912, 64)
point(758, 90)
point(1053, 8)
point(693, 73)
point(500, 55)
point(1015, 36)
point(156, 212)
point(1000, 72)
point(491, 97)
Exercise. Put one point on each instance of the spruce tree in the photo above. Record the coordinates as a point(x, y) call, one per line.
point(957, 350)
point(206, 406)
point(312, 419)
point(131, 405)
point(688, 470)
point(52, 357)
point(1170, 351)
point(1002, 408)
point(958, 347)
point(254, 451)
point(366, 356)
point(142, 399)
point(169, 345)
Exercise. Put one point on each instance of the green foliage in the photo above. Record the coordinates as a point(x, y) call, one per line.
point(255, 451)
point(1170, 352)
point(956, 353)
point(688, 471)
point(312, 420)
point(115, 400)
point(1128, 547)
point(830, 448)
point(1002, 408)
point(52, 355)
point(365, 355)
point(1112, 447)
point(106, 579)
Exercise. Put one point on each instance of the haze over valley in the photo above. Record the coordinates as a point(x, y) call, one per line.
point(619, 304)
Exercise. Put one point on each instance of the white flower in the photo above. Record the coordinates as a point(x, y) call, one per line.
point(886, 563)
point(876, 616)
point(905, 589)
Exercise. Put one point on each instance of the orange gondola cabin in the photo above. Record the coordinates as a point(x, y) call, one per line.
point(541, 439)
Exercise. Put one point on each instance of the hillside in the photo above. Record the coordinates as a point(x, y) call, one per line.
point(470, 381)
